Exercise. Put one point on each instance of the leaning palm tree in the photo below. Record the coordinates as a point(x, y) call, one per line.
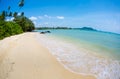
point(21, 4)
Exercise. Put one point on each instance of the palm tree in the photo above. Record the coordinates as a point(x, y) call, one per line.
point(21, 3)
point(15, 14)
point(7, 13)
point(9, 8)
point(10, 14)
point(22, 14)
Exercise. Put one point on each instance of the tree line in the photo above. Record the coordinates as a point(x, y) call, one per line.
point(18, 25)
point(45, 28)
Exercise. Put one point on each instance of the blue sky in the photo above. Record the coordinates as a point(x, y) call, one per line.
point(100, 14)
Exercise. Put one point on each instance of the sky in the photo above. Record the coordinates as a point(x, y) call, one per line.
point(99, 14)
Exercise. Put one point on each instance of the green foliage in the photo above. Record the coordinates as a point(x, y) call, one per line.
point(2, 16)
point(25, 23)
point(2, 31)
point(12, 28)
point(9, 28)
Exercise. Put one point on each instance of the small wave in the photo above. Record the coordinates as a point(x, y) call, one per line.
point(81, 61)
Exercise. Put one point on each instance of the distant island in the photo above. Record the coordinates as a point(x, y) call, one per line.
point(86, 28)
point(66, 28)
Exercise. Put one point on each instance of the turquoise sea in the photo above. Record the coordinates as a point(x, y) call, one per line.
point(99, 42)
point(87, 52)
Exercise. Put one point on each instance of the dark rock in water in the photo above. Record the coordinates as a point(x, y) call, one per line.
point(47, 32)
point(42, 32)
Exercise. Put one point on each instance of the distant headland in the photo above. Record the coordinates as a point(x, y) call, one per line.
point(86, 28)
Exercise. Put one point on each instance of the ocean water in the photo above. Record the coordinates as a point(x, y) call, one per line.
point(85, 52)
point(100, 42)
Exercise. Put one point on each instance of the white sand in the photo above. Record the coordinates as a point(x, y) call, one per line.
point(22, 57)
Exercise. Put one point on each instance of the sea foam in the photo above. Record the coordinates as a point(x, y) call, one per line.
point(81, 61)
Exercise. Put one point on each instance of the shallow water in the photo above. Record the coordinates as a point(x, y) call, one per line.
point(86, 52)
point(99, 42)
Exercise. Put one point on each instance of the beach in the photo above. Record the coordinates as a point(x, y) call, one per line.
point(23, 57)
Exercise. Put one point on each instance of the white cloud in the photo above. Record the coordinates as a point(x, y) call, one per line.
point(60, 17)
point(35, 22)
point(7, 19)
point(33, 18)
point(47, 16)
point(10, 19)
point(46, 23)
point(19, 14)
point(40, 17)
point(50, 17)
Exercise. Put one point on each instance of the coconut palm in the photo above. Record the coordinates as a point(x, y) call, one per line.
point(21, 3)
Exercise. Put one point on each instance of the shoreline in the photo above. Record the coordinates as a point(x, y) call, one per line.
point(70, 57)
point(29, 59)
